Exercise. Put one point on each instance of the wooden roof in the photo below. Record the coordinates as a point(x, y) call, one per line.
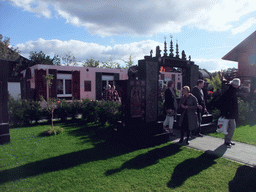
point(243, 46)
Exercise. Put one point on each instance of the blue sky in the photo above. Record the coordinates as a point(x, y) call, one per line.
point(115, 29)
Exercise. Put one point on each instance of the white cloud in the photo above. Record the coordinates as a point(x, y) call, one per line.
point(118, 52)
point(213, 65)
point(83, 50)
point(144, 17)
point(244, 26)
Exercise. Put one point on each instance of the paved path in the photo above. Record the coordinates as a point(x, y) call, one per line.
point(240, 152)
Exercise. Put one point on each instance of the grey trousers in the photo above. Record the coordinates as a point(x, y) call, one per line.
point(231, 130)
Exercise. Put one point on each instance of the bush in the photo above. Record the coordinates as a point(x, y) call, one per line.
point(23, 112)
point(247, 112)
point(63, 110)
point(75, 108)
point(109, 111)
point(89, 110)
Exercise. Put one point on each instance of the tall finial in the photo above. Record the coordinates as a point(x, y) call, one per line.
point(177, 49)
point(171, 48)
point(165, 50)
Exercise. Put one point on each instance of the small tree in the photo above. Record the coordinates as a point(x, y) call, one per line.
point(69, 59)
point(110, 64)
point(91, 63)
point(7, 52)
point(48, 78)
point(41, 58)
point(128, 62)
point(50, 106)
point(215, 82)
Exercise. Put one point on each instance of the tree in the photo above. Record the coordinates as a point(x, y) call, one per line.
point(111, 64)
point(91, 63)
point(48, 79)
point(69, 59)
point(41, 58)
point(7, 52)
point(215, 82)
point(128, 62)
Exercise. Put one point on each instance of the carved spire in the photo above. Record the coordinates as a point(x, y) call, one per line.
point(184, 57)
point(171, 48)
point(177, 49)
point(165, 48)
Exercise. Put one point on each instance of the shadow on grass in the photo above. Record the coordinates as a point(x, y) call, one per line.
point(147, 159)
point(244, 180)
point(194, 166)
point(101, 151)
point(105, 147)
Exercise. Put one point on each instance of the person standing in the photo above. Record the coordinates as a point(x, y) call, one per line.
point(115, 95)
point(197, 91)
point(107, 93)
point(228, 105)
point(188, 120)
point(171, 107)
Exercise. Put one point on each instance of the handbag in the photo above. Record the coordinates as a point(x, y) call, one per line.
point(222, 125)
point(172, 113)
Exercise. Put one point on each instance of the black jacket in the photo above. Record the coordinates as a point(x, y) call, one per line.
point(196, 92)
point(169, 99)
point(228, 103)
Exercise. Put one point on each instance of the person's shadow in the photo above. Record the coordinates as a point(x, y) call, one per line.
point(244, 180)
point(150, 158)
point(193, 166)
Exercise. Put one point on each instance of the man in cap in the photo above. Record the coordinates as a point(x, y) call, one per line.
point(229, 109)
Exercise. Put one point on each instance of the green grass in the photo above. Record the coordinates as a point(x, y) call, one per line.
point(84, 158)
point(245, 134)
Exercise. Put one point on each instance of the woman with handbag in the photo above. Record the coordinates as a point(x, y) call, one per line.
point(189, 119)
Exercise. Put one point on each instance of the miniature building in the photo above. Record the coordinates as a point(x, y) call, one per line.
point(245, 54)
point(76, 82)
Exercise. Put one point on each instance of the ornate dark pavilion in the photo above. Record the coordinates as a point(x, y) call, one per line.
point(140, 92)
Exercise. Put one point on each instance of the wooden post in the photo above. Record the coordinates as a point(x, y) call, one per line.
point(6, 69)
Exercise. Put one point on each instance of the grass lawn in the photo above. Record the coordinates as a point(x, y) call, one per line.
point(83, 158)
point(245, 134)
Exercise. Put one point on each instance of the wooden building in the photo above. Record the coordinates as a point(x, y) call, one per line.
point(245, 54)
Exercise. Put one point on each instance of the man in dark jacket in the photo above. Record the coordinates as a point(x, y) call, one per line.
point(229, 109)
point(198, 93)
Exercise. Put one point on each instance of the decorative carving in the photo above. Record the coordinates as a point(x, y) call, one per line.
point(183, 55)
point(165, 48)
point(133, 72)
point(171, 48)
point(158, 51)
point(177, 49)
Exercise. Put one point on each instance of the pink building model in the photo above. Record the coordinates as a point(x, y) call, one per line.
point(77, 82)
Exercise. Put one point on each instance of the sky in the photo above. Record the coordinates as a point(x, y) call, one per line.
point(117, 29)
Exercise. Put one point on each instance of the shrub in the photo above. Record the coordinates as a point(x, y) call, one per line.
point(244, 111)
point(109, 111)
point(34, 111)
point(89, 110)
point(15, 111)
point(23, 112)
point(75, 108)
point(63, 110)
